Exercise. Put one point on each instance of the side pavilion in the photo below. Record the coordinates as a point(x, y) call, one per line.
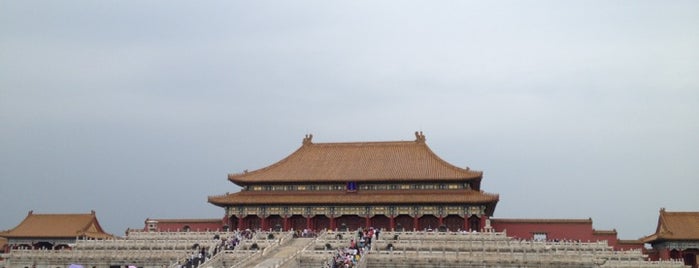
point(53, 231)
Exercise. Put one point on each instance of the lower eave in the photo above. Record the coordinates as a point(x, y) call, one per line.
point(359, 197)
point(43, 237)
point(40, 236)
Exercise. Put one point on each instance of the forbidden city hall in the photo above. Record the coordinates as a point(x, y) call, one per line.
point(396, 185)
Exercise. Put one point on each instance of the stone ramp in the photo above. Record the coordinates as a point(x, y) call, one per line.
point(283, 256)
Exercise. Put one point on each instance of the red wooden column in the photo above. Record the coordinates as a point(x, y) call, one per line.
point(415, 222)
point(466, 223)
point(286, 222)
point(368, 222)
point(308, 223)
point(332, 222)
point(664, 254)
point(441, 221)
point(392, 223)
point(240, 223)
point(263, 223)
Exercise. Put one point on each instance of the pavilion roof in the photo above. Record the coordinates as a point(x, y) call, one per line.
point(675, 226)
point(57, 226)
point(360, 162)
point(412, 197)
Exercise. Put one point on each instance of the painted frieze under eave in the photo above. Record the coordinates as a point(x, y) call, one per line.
point(460, 197)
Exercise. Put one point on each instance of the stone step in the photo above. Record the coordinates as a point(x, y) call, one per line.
point(283, 254)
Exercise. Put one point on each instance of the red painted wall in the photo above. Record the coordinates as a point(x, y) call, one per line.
point(561, 229)
point(613, 240)
point(609, 236)
point(629, 246)
point(195, 225)
point(554, 229)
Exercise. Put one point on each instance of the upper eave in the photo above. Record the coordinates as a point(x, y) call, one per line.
point(394, 161)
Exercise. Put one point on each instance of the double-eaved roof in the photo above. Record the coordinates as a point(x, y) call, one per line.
point(392, 161)
point(675, 226)
point(57, 226)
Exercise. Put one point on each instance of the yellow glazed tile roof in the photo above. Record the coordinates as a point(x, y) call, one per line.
point(358, 161)
point(57, 225)
point(676, 226)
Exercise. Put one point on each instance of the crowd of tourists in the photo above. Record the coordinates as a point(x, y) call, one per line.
point(305, 233)
point(198, 257)
point(202, 253)
point(351, 255)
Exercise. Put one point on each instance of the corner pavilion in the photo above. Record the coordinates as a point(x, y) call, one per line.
point(349, 185)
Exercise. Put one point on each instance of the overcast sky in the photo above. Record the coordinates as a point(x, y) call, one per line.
point(140, 109)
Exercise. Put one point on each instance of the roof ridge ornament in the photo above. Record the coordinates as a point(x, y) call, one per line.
point(419, 137)
point(308, 139)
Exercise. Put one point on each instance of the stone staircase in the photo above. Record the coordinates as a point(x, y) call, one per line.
point(284, 256)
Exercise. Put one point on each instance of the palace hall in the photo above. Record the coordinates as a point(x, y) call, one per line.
point(393, 185)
